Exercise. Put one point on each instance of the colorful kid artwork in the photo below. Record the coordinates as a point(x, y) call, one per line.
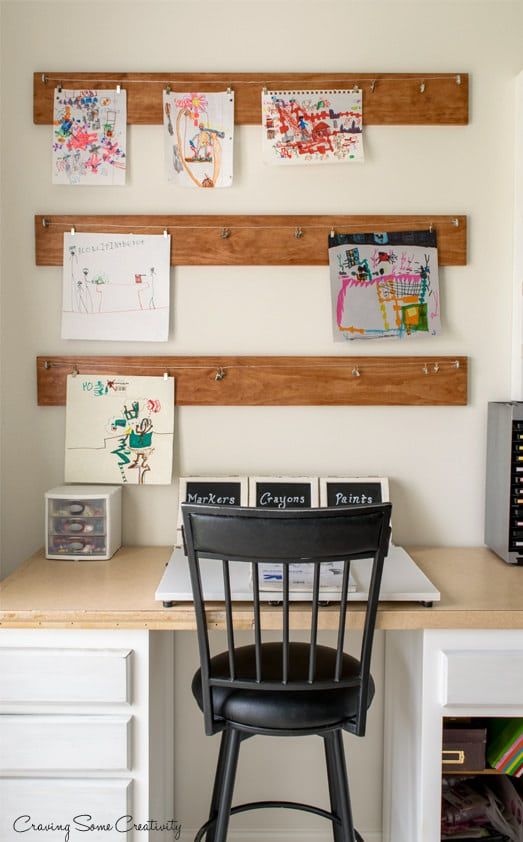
point(384, 285)
point(198, 132)
point(119, 429)
point(116, 287)
point(310, 127)
point(89, 137)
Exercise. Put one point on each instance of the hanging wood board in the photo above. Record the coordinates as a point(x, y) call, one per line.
point(388, 98)
point(277, 381)
point(253, 240)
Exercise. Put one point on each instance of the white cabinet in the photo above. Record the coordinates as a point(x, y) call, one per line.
point(47, 674)
point(78, 802)
point(65, 743)
point(430, 675)
point(482, 677)
point(86, 729)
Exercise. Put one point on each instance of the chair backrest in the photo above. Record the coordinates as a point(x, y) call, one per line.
point(307, 536)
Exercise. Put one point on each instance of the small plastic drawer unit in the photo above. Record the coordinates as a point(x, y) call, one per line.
point(83, 521)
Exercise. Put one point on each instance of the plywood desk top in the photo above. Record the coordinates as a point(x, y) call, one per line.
point(478, 590)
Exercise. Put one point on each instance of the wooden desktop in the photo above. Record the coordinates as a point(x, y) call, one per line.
point(462, 657)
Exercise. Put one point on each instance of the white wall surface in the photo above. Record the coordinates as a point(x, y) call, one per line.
point(517, 315)
point(434, 456)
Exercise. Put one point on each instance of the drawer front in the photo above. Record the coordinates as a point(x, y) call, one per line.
point(57, 802)
point(483, 677)
point(86, 676)
point(65, 743)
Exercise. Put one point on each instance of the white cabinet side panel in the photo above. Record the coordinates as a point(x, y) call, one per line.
point(403, 723)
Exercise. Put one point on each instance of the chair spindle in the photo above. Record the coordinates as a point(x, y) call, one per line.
point(314, 620)
point(257, 619)
point(343, 617)
point(230, 626)
point(285, 673)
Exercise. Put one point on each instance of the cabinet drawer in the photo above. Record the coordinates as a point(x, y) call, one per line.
point(64, 743)
point(97, 676)
point(58, 801)
point(483, 677)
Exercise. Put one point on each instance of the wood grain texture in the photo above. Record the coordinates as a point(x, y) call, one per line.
point(478, 591)
point(388, 98)
point(277, 381)
point(254, 240)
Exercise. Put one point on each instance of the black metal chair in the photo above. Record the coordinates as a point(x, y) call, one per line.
point(285, 688)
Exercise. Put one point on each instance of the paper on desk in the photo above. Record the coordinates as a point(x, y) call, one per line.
point(301, 577)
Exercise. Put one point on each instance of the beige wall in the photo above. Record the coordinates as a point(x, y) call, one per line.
point(434, 456)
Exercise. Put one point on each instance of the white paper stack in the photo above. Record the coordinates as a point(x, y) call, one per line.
point(301, 577)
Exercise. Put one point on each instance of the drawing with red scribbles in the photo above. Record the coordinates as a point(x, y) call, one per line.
point(311, 127)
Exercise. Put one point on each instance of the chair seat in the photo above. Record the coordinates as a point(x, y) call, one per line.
point(283, 709)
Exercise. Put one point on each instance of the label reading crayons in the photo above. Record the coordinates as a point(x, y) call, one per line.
point(283, 492)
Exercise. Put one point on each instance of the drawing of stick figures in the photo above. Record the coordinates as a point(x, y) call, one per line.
point(74, 290)
point(152, 305)
point(84, 294)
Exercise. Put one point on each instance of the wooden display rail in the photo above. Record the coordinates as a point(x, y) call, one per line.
point(388, 98)
point(248, 240)
point(277, 381)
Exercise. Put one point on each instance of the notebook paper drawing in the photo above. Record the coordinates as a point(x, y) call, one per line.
point(119, 429)
point(89, 137)
point(384, 285)
point(311, 127)
point(198, 138)
point(301, 577)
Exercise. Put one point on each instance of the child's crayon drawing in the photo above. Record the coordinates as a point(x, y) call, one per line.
point(89, 137)
point(310, 127)
point(384, 285)
point(116, 287)
point(119, 429)
point(198, 132)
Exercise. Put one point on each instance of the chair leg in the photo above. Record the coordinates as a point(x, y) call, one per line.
point(224, 784)
point(213, 812)
point(348, 834)
point(331, 778)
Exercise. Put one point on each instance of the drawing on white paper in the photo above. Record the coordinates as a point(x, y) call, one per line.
point(198, 132)
point(311, 127)
point(116, 287)
point(119, 429)
point(89, 137)
point(384, 285)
